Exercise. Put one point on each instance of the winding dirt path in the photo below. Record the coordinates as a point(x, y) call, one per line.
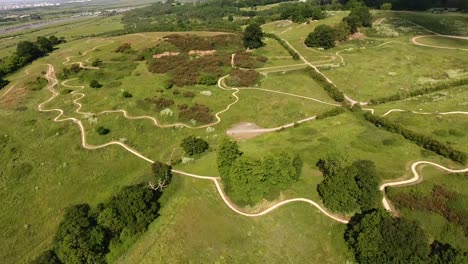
point(53, 81)
point(416, 179)
point(415, 41)
point(425, 113)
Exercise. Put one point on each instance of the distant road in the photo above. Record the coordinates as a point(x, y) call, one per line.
point(40, 24)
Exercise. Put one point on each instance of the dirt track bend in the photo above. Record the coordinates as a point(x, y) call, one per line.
point(416, 178)
point(60, 118)
point(415, 41)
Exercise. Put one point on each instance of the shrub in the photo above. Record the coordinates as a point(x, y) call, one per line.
point(102, 130)
point(249, 61)
point(96, 62)
point(123, 48)
point(126, 94)
point(207, 79)
point(189, 94)
point(198, 112)
point(193, 145)
point(244, 78)
point(161, 172)
point(95, 84)
point(333, 112)
point(176, 92)
point(160, 102)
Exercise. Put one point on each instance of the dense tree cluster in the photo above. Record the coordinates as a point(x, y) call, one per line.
point(193, 145)
point(285, 45)
point(302, 12)
point(421, 91)
point(377, 238)
point(86, 234)
point(247, 180)
point(26, 52)
point(325, 36)
point(331, 89)
point(421, 140)
point(348, 188)
point(253, 36)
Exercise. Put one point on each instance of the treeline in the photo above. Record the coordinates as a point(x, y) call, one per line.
point(26, 52)
point(417, 92)
point(331, 89)
point(419, 5)
point(283, 43)
point(87, 234)
point(301, 12)
point(325, 36)
point(421, 140)
point(248, 180)
point(348, 188)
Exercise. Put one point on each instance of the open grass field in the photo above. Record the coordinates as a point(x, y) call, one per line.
point(46, 169)
point(444, 42)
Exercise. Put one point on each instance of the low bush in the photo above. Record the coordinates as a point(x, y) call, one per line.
point(160, 102)
point(95, 84)
point(243, 78)
point(248, 61)
point(126, 94)
point(38, 84)
point(123, 48)
point(198, 112)
point(102, 130)
point(189, 94)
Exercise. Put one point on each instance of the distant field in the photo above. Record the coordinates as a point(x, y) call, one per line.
point(447, 23)
point(70, 30)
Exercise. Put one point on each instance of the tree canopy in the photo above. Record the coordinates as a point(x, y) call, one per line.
point(253, 36)
point(323, 36)
point(375, 237)
point(350, 188)
point(193, 145)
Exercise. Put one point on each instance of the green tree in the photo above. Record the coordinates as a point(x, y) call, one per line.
point(96, 62)
point(375, 237)
point(446, 254)
point(207, 79)
point(79, 239)
point(54, 40)
point(27, 51)
point(102, 130)
point(193, 145)
point(386, 6)
point(95, 84)
point(44, 44)
point(332, 163)
point(367, 180)
point(247, 180)
point(130, 211)
point(362, 15)
point(228, 152)
point(162, 173)
point(323, 36)
point(253, 36)
point(126, 94)
point(354, 3)
point(230, 18)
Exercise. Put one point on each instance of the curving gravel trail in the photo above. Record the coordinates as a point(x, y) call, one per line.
point(415, 41)
point(416, 178)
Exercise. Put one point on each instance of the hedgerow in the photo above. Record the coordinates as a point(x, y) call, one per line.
point(421, 140)
point(331, 89)
point(283, 43)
